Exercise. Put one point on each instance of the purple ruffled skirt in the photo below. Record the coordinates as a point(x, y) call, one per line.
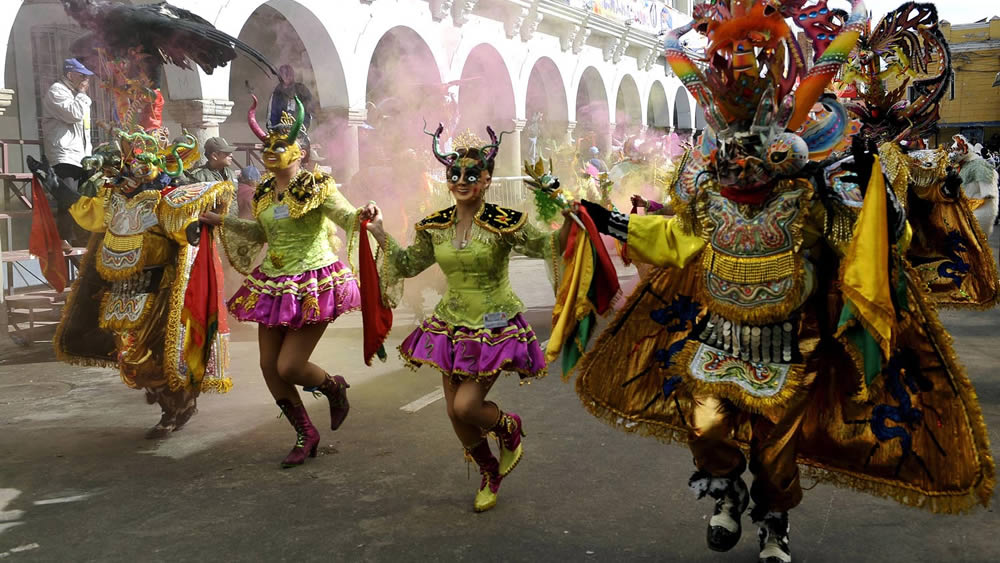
point(475, 353)
point(312, 297)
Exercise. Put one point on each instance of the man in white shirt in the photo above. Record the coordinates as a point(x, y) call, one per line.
point(66, 131)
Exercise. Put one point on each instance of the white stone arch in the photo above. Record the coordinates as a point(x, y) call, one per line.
point(372, 33)
point(683, 114)
point(628, 103)
point(593, 106)
point(554, 81)
point(6, 32)
point(481, 64)
point(326, 47)
point(23, 74)
point(658, 109)
point(474, 43)
point(591, 75)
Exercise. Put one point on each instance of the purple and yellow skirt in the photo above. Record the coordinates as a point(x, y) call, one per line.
point(312, 297)
point(477, 354)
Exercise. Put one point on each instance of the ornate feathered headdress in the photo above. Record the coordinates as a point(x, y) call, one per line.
point(755, 85)
point(907, 47)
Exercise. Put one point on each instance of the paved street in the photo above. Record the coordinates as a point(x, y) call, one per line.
point(79, 483)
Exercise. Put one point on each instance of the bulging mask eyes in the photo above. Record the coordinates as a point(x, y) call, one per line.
point(471, 177)
point(777, 157)
point(454, 175)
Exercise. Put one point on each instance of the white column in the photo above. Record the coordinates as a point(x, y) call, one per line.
point(6, 99)
point(200, 118)
point(570, 127)
point(356, 117)
point(511, 162)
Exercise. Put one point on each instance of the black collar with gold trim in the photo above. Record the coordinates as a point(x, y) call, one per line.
point(490, 217)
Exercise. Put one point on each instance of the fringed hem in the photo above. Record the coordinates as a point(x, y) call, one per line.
point(794, 384)
point(414, 363)
point(937, 502)
point(992, 270)
point(216, 385)
point(666, 433)
point(61, 354)
point(922, 304)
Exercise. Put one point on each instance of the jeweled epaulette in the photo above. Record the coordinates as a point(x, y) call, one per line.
point(438, 220)
point(263, 188)
point(500, 219)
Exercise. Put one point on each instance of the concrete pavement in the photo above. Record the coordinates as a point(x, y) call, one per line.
point(79, 483)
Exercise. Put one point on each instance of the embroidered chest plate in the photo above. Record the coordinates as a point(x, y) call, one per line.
point(132, 216)
point(121, 255)
point(753, 264)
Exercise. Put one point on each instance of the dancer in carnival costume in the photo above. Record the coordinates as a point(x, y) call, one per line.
point(950, 246)
point(148, 291)
point(780, 322)
point(979, 181)
point(301, 286)
point(477, 330)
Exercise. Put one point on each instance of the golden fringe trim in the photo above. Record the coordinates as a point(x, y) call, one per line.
point(111, 274)
point(86, 263)
point(216, 385)
point(414, 363)
point(986, 256)
point(935, 501)
point(662, 431)
point(920, 303)
point(176, 219)
point(794, 384)
point(171, 341)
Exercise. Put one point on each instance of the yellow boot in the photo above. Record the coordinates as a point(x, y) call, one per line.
point(489, 487)
point(509, 431)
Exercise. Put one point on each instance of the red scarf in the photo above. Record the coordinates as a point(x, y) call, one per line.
point(45, 242)
point(201, 307)
point(376, 318)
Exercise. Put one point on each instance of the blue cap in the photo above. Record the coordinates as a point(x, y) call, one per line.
point(250, 174)
point(73, 65)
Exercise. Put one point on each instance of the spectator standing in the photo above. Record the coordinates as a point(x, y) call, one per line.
point(66, 133)
point(283, 97)
point(217, 167)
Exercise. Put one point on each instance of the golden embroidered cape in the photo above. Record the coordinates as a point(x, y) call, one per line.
point(744, 303)
point(124, 309)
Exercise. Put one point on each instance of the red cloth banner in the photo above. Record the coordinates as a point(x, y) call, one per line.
point(45, 242)
point(376, 318)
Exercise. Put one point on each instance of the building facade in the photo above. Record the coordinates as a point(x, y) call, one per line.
point(589, 68)
point(972, 107)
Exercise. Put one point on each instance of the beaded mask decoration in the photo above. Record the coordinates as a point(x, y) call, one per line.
point(470, 156)
point(757, 88)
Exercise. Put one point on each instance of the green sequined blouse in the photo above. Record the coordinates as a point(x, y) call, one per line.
point(299, 238)
point(477, 275)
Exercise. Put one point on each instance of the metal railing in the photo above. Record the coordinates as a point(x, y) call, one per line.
point(5, 147)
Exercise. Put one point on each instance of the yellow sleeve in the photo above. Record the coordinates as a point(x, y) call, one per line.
point(88, 212)
point(659, 240)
